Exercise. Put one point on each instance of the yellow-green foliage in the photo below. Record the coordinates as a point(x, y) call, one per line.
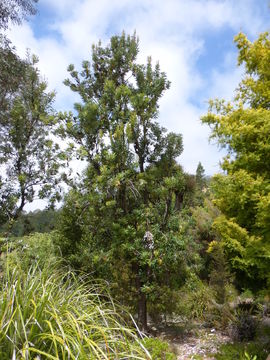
point(28, 249)
point(195, 299)
point(47, 314)
point(245, 251)
point(242, 127)
point(159, 349)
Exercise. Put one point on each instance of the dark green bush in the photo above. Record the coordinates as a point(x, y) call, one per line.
point(244, 327)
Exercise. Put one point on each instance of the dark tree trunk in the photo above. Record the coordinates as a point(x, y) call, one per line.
point(142, 310)
point(179, 201)
point(142, 303)
point(141, 161)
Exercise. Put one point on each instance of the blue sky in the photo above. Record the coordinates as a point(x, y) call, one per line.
point(192, 39)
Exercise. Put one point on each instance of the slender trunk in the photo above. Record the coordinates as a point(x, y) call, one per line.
point(141, 161)
point(166, 213)
point(142, 310)
point(179, 201)
point(142, 303)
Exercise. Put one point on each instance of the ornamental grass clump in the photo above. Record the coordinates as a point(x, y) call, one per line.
point(48, 314)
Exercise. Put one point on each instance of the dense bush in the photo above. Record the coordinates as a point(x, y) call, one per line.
point(40, 221)
point(159, 349)
point(28, 249)
point(195, 299)
point(244, 327)
point(241, 351)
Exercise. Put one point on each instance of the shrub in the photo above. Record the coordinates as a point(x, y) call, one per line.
point(52, 315)
point(219, 274)
point(195, 299)
point(28, 249)
point(241, 351)
point(244, 327)
point(159, 349)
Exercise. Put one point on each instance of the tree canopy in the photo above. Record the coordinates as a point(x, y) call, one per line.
point(14, 11)
point(124, 225)
point(243, 192)
point(29, 158)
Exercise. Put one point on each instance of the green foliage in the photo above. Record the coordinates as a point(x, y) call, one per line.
point(29, 159)
point(219, 275)
point(201, 185)
point(52, 315)
point(242, 351)
point(247, 253)
point(244, 326)
point(203, 217)
point(122, 221)
point(11, 74)
point(243, 129)
point(28, 250)
point(248, 357)
point(195, 299)
point(38, 221)
point(158, 349)
point(15, 11)
point(202, 232)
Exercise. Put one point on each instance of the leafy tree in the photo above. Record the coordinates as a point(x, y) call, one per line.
point(12, 68)
point(12, 73)
point(201, 228)
point(123, 220)
point(200, 185)
point(219, 274)
point(243, 192)
point(200, 176)
point(15, 11)
point(38, 221)
point(29, 158)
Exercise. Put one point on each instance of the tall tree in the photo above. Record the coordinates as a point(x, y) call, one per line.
point(12, 73)
point(200, 176)
point(14, 11)
point(243, 193)
point(12, 68)
point(29, 158)
point(125, 216)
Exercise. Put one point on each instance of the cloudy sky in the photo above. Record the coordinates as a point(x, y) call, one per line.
point(192, 40)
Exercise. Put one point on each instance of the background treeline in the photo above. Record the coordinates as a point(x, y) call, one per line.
point(167, 243)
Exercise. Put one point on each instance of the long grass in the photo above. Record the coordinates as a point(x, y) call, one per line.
point(48, 314)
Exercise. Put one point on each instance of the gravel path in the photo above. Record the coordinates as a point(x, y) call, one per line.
point(204, 343)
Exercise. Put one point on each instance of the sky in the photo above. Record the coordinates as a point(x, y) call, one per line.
point(191, 39)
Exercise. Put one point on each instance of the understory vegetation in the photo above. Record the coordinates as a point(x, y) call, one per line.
point(54, 315)
point(139, 252)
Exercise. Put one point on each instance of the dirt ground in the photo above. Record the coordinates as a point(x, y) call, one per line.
point(201, 345)
point(198, 342)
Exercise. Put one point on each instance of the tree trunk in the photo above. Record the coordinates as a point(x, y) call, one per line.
point(142, 305)
point(142, 310)
point(179, 201)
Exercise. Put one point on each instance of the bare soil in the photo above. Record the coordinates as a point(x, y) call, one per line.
point(193, 341)
point(203, 344)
